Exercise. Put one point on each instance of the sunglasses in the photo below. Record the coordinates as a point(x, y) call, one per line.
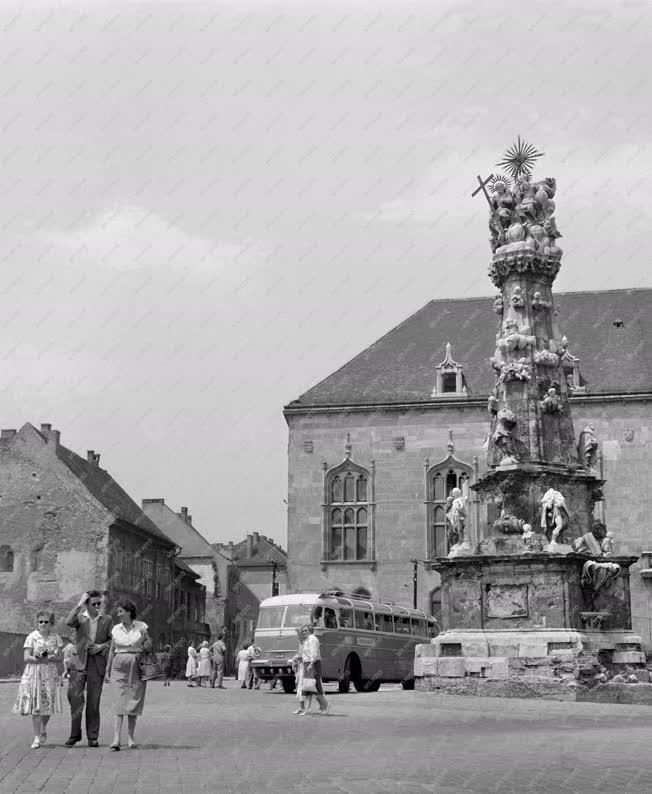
point(96, 603)
point(44, 621)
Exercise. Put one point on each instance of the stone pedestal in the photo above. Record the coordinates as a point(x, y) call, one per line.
point(522, 627)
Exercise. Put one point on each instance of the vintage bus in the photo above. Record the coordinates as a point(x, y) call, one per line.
point(364, 642)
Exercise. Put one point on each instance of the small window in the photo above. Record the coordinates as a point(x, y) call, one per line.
point(330, 621)
point(384, 623)
point(401, 625)
point(297, 615)
point(270, 617)
point(364, 620)
point(6, 559)
point(346, 619)
point(449, 383)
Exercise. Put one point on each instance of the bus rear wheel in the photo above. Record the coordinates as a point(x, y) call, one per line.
point(367, 685)
point(288, 685)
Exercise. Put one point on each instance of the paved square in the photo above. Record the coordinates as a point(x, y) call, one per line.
point(390, 741)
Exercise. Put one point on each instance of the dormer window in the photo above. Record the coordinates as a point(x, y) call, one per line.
point(450, 377)
point(571, 366)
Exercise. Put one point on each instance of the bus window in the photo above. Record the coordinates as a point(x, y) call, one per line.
point(401, 625)
point(364, 620)
point(419, 627)
point(296, 615)
point(384, 623)
point(270, 617)
point(346, 619)
point(330, 621)
point(317, 618)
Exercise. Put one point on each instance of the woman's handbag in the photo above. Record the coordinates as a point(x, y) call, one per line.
point(309, 686)
point(149, 666)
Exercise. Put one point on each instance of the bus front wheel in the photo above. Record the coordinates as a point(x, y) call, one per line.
point(288, 685)
point(408, 683)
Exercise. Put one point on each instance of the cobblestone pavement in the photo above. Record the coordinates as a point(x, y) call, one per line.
point(390, 741)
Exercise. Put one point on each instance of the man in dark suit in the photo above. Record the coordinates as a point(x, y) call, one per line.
point(87, 674)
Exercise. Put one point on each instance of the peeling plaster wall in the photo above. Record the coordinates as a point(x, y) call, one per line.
point(57, 532)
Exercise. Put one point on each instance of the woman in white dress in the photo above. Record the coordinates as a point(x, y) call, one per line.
point(242, 660)
point(204, 669)
point(39, 692)
point(191, 665)
point(129, 639)
point(299, 666)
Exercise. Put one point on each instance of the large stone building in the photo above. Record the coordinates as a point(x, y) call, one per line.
point(256, 569)
point(195, 551)
point(66, 526)
point(376, 447)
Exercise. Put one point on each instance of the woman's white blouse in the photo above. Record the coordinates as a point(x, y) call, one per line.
point(131, 640)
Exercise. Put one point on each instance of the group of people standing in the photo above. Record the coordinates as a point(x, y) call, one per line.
point(102, 652)
point(205, 666)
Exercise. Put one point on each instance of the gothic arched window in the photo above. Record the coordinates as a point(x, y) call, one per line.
point(440, 481)
point(347, 536)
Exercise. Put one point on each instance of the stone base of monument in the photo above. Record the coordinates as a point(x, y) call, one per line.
point(558, 664)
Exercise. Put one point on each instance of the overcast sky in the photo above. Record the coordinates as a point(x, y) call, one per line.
point(208, 207)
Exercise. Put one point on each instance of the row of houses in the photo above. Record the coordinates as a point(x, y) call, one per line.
point(66, 526)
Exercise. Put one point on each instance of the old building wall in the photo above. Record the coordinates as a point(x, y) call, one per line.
point(58, 535)
point(400, 518)
point(207, 571)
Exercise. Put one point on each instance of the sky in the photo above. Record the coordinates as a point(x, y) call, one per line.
point(209, 207)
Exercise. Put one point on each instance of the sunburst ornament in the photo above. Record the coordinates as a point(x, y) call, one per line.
point(505, 180)
point(519, 159)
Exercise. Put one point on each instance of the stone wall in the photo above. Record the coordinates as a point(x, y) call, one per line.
point(58, 535)
point(400, 488)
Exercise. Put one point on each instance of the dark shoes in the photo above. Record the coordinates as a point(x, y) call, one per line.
point(72, 741)
point(93, 743)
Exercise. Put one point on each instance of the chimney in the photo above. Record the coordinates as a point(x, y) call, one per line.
point(256, 538)
point(96, 459)
point(184, 515)
point(7, 434)
point(250, 547)
point(90, 455)
point(51, 435)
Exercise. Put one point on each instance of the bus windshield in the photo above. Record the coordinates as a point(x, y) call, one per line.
point(270, 617)
point(297, 615)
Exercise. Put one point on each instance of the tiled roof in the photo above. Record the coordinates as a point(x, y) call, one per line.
point(192, 542)
point(400, 366)
point(264, 553)
point(107, 491)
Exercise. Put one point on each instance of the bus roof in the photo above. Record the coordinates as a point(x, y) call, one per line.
point(311, 599)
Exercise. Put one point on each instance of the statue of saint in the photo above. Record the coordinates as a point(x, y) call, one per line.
point(503, 436)
point(554, 516)
point(591, 542)
point(607, 545)
point(551, 403)
point(456, 517)
point(587, 447)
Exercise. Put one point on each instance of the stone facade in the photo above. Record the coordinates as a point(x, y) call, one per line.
point(66, 527)
point(401, 515)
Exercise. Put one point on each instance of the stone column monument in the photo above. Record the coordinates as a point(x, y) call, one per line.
point(540, 605)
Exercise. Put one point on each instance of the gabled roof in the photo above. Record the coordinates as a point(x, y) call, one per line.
point(191, 541)
point(182, 566)
point(264, 553)
point(400, 366)
point(107, 491)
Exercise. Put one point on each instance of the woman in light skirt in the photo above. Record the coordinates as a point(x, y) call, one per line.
point(129, 639)
point(204, 668)
point(39, 692)
point(191, 665)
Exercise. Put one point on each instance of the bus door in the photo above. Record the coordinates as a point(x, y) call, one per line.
point(385, 650)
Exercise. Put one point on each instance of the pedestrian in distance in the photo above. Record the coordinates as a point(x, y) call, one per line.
point(304, 698)
point(205, 664)
point(191, 665)
point(129, 639)
point(253, 652)
point(39, 691)
point(242, 660)
point(165, 660)
point(311, 655)
point(88, 666)
point(219, 652)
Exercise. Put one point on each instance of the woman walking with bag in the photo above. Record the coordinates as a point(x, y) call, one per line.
point(304, 697)
point(191, 665)
point(39, 693)
point(129, 641)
